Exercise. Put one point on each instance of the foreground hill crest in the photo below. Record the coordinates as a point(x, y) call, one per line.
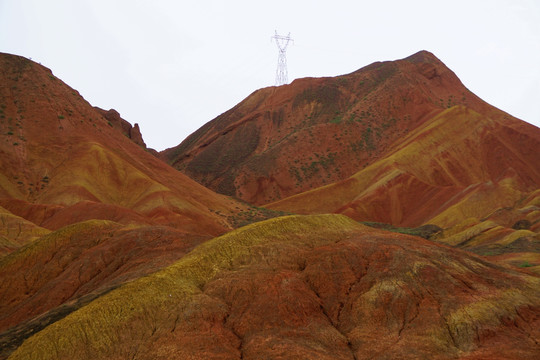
point(320, 287)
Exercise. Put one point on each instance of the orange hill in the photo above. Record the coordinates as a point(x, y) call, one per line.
point(399, 142)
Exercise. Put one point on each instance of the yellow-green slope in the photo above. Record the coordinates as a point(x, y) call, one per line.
point(303, 287)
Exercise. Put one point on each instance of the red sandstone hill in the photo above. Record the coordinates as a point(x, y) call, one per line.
point(459, 164)
point(474, 176)
point(281, 141)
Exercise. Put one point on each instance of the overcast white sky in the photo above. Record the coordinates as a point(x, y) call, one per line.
point(172, 66)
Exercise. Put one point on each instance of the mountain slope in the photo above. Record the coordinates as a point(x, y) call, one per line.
point(56, 150)
point(308, 287)
point(281, 141)
point(458, 165)
point(80, 259)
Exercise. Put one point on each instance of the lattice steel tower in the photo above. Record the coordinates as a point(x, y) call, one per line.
point(281, 73)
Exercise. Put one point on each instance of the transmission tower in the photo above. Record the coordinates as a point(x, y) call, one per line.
point(281, 73)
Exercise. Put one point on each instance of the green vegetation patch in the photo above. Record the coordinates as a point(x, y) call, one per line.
point(424, 231)
point(252, 215)
point(308, 170)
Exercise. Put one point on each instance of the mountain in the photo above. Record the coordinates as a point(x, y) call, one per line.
point(415, 231)
point(281, 141)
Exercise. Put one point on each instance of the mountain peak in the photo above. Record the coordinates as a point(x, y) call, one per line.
point(423, 56)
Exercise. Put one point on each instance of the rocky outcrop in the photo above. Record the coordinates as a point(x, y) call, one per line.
point(132, 132)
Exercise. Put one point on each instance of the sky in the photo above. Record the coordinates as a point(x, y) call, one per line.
point(172, 66)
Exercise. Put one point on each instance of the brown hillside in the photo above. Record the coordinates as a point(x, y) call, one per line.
point(281, 141)
point(78, 260)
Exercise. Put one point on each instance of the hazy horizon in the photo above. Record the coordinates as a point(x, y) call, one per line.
point(173, 66)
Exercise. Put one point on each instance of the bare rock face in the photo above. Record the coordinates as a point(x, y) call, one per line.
point(136, 136)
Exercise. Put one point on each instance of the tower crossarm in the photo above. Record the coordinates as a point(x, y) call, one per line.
point(282, 41)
